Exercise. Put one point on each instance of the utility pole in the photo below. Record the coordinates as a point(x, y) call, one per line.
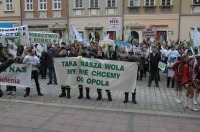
point(179, 24)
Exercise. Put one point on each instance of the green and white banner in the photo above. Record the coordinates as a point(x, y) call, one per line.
point(37, 37)
point(17, 75)
point(96, 73)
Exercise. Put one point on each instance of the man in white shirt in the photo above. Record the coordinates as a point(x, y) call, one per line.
point(32, 59)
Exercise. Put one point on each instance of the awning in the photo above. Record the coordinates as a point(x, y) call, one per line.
point(7, 25)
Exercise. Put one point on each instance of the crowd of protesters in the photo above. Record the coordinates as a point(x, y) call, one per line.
point(178, 56)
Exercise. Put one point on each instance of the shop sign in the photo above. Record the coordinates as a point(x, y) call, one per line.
point(38, 26)
point(170, 32)
point(114, 23)
point(149, 33)
point(158, 26)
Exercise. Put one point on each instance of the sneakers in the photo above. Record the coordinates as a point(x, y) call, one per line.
point(13, 93)
point(195, 98)
point(186, 103)
point(192, 107)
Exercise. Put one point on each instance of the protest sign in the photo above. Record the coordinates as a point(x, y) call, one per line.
point(161, 65)
point(17, 75)
point(149, 33)
point(96, 73)
point(37, 37)
point(114, 23)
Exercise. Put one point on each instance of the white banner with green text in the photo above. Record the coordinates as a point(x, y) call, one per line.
point(96, 73)
point(17, 75)
point(37, 37)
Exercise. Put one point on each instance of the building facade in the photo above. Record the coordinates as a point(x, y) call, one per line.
point(46, 16)
point(190, 18)
point(161, 15)
point(96, 18)
point(10, 15)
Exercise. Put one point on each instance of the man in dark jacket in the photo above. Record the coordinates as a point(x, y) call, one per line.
point(52, 52)
point(154, 59)
point(3, 67)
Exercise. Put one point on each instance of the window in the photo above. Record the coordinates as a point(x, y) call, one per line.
point(110, 3)
point(78, 3)
point(9, 5)
point(166, 2)
point(149, 3)
point(57, 4)
point(94, 3)
point(196, 2)
point(29, 5)
point(134, 3)
point(42, 4)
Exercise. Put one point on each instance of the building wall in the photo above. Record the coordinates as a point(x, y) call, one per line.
point(156, 10)
point(186, 7)
point(47, 21)
point(12, 16)
point(102, 8)
point(190, 18)
point(85, 19)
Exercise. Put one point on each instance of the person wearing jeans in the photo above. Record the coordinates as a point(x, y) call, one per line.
point(33, 60)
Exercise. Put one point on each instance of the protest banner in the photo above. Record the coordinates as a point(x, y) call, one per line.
point(15, 32)
point(17, 75)
point(96, 73)
point(149, 33)
point(37, 37)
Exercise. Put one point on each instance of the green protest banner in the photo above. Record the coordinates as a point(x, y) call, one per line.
point(96, 73)
point(17, 75)
point(36, 37)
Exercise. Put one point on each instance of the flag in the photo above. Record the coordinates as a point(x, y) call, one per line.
point(128, 46)
point(134, 41)
point(196, 37)
point(106, 48)
point(160, 39)
point(19, 39)
point(80, 51)
point(106, 37)
point(78, 36)
point(2, 39)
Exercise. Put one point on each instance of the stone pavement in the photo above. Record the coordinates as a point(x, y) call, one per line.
point(25, 117)
point(150, 100)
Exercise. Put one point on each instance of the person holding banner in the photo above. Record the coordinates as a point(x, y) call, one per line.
point(131, 58)
point(99, 91)
point(82, 51)
point(33, 60)
point(188, 82)
point(3, 67)
point(63, 53)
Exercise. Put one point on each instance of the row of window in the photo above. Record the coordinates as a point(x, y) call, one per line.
point(42, 4)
